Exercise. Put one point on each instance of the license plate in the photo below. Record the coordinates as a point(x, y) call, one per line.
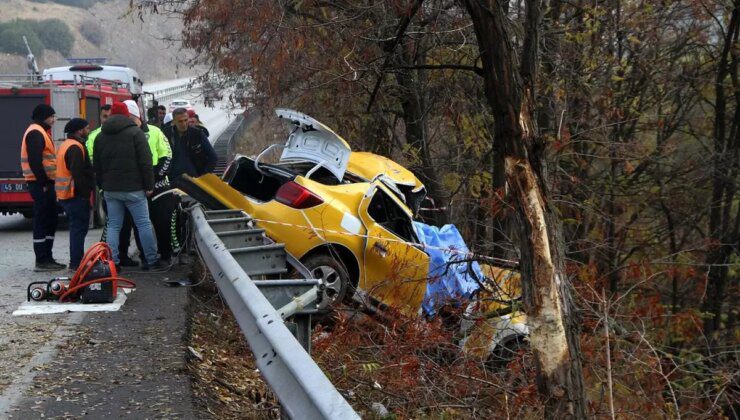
point(7, 187)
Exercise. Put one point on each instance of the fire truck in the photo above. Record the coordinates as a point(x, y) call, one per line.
point(74, 96)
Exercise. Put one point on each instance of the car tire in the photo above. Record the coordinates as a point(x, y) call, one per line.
point(334, 276)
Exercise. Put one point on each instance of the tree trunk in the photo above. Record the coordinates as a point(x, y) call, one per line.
point(415, 120)
point(723, 236)
point(510, 93)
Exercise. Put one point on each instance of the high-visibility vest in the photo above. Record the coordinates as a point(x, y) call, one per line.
point(158, 144)
point(64, 184)
point(48, 157)
point(90, 142)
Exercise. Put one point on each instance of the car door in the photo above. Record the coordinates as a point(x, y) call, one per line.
point(395, 268)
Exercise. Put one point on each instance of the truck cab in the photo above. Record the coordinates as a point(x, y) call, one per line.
point(19, 95)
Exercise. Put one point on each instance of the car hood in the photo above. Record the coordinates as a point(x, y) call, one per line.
point(312, 141)
point(371, 166)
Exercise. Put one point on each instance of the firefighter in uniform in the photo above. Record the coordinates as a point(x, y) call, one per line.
point(74, 184)
point(39, 165)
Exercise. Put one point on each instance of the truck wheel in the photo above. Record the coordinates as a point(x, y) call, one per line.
point(334, 276)
point(98, 212)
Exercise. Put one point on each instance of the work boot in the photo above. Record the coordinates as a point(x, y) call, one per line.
point(47, 266)
point(158, 265)
point(128, 262)
point(58, 264)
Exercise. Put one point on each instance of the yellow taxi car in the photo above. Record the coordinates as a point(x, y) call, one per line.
point(348, 217)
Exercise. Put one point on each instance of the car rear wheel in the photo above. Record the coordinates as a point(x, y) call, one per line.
point(334, 276)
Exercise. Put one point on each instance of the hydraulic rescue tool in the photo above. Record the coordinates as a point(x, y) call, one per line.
point(95, 281)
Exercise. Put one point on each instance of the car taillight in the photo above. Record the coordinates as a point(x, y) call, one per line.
point(296, 196)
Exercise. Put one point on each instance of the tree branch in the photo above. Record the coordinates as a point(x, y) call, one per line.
point(476, 70)
point(402, 26)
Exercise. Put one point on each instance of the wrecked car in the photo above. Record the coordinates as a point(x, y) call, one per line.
point(349, 218)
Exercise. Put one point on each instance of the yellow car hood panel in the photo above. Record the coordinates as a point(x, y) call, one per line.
point(217, 192)
point(370, 166)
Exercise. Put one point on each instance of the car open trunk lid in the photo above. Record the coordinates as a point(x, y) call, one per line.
point(211, 191)
point(312, 141)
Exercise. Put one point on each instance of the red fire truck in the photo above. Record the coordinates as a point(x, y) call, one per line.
point(80, 97)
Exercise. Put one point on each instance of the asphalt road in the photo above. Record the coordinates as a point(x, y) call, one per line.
point(215, 118)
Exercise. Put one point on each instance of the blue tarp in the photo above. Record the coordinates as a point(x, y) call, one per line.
point(446, 245)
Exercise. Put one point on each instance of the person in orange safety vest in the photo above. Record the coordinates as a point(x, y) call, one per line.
point(38, 163)
point(74, 186)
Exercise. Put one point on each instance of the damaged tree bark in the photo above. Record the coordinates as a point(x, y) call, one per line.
point(509, 89)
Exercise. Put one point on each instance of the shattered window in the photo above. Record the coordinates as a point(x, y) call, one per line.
point(385, 212)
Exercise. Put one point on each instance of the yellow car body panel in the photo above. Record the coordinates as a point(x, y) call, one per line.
point(369, 166)
point(327, 223)
point(492, 329)
point(395, 272)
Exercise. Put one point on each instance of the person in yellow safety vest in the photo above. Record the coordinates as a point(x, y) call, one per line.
point(39, 165)
point(104, 114)
point(74, 184)
point(161, 158)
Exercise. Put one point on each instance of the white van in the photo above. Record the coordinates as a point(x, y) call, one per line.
point(114, 73)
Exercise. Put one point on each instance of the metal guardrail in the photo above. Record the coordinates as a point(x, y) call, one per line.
point(224, 144)
point(301, 387)
point(166, 93)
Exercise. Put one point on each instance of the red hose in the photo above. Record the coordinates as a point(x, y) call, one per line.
point(98, 252)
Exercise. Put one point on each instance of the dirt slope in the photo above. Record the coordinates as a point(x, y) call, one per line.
point(128, 40)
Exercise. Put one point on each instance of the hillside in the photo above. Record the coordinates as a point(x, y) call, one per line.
point(124, 38)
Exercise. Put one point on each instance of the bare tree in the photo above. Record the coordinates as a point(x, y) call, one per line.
point(510, 83)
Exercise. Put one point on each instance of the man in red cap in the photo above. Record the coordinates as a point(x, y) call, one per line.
point(123, 168)
point(194, 121)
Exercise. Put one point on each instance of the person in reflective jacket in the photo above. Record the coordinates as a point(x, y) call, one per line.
point(74, 186)
point(39, 165)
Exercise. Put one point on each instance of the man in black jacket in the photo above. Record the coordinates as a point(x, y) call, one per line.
point(123, 167)
point(74, 186)
point(192, 153)
point(38, 163)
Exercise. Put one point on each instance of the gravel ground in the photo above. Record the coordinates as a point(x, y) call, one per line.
point(125, 364)
point(27, 341)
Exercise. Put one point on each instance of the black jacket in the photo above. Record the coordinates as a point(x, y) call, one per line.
point(192, 153)
point(123, 161)
point(79, 165)
point(35, 149)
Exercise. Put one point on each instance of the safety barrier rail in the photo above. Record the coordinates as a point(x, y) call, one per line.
point(231, 249)
point(166, 91)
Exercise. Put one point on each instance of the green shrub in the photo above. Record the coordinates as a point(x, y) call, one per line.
point(52, 34)
point(93, 32)
point(11, 38)
point(55, 35)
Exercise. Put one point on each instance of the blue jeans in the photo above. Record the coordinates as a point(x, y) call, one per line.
point(78, 215)
point(136, 203)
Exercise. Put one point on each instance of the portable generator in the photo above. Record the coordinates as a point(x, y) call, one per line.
point(95, 281)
